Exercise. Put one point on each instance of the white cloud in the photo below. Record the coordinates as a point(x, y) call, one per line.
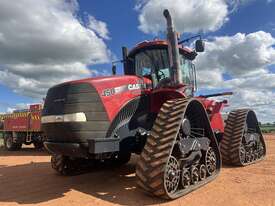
point(253, 97)
point(259, 81)
point(261, 101)
point(245, 58)
point(19, 106)
point(240, 54)
point(99, 27)
point(188, 16)
point(34, 80)
point(45, 43)
point(210, 79)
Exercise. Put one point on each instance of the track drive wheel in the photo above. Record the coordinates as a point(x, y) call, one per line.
point(242, 143)
point(163, 169)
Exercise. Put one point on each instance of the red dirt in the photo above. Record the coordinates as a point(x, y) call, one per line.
point(27, 178)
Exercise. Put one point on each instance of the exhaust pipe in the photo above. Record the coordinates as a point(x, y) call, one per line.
point(173, 50)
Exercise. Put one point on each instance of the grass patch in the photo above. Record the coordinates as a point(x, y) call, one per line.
point(268, 129)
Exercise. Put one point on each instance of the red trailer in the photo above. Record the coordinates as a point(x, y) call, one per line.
point(22, 127)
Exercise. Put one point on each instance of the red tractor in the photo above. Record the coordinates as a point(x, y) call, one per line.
point(22, 127)
point(151, 111)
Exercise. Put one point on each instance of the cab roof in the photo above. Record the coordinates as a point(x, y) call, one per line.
point(190, 54)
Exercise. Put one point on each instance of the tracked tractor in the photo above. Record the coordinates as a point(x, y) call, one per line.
point(152, 111)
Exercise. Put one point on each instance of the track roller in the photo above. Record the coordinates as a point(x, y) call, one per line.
point(203, 172)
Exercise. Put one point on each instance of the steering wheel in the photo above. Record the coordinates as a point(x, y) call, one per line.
point(161, 75)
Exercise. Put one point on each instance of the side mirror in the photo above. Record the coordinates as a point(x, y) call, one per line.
point(200, 45)
point(114, 69)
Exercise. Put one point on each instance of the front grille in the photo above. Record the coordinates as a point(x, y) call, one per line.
point(73, 98)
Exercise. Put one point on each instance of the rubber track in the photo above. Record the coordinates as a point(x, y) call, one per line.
point(158, 148)
point(232, 138)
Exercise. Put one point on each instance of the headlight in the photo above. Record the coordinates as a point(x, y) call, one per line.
point(75, 117)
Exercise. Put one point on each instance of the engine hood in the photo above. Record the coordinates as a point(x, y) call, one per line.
point(116, 91)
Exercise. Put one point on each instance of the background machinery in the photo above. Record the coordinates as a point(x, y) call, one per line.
point(22, 127)
point(152, 111)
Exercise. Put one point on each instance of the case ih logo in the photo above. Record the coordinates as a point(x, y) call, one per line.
point(134, 86)
point(124, 88)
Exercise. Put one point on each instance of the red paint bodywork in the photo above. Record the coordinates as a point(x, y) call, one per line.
point(29, 121)
point(214, 109)
point(114, 103)
point(157, 42)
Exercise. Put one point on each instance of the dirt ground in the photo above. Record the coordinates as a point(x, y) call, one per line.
point(27, 178)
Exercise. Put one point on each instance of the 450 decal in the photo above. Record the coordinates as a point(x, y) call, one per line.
point(123, 88)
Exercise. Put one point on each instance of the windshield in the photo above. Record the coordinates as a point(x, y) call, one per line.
point(154, 64)
point(154, 61)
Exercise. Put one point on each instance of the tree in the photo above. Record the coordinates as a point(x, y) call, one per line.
point(260, 124)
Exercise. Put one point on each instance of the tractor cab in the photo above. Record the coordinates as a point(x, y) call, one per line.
point(150, 59)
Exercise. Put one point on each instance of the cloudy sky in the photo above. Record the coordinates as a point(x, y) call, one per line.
point(43, 43)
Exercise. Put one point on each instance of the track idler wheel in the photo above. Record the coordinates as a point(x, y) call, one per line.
point(210, 161)
point(242, 143)
point(162, 169)
point(172, 175)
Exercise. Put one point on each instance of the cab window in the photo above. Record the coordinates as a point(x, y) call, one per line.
point(186, 70)
point(153, 62)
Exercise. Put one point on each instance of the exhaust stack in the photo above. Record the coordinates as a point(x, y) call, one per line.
point(173, 50)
